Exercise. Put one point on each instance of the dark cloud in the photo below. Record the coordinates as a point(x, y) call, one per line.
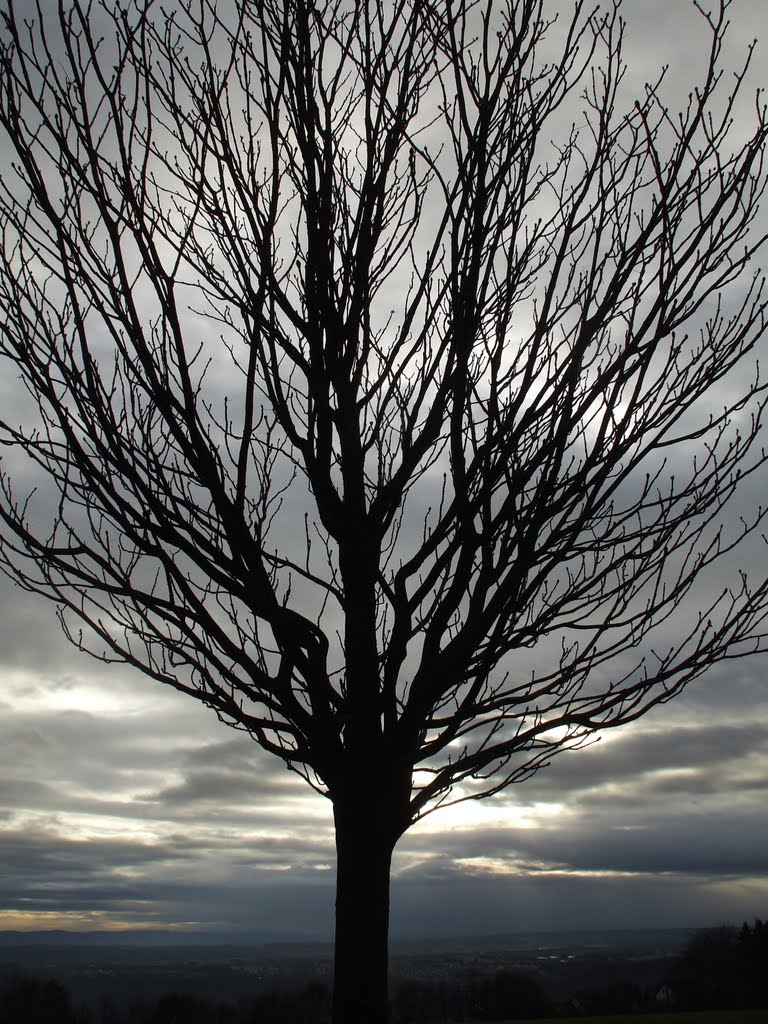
point(671, 843)
point(236, 787)
point(705, 751)
point(175, 880)
point(484, 904)
point(40, 860)
point(236, 772)
point(26, 792)
point(234, 832)
point(162, 882)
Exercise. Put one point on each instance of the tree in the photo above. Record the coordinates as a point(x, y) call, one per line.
point(722, 968)
point(394, 431)
point(30, 1000)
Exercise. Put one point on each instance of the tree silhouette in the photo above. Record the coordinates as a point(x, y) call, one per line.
point(380, 399)
point(722, 968)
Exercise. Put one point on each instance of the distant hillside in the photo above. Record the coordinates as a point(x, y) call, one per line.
point(625, 938)
point(141, 937)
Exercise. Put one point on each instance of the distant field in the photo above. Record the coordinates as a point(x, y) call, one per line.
point(703, 1017)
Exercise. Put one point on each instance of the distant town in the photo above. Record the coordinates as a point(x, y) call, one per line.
point(135, 977)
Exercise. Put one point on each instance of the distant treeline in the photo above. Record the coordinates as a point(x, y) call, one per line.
point(719, 968)
point(723, 968)
point(28, 1000)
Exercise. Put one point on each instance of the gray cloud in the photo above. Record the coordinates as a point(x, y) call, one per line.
point(705, 751)
point(179, 879)
point(676, 797)
point(486, 905)
point(673, 843)
point(234, 772)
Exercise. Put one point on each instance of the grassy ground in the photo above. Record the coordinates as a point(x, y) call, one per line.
point(703, 1017)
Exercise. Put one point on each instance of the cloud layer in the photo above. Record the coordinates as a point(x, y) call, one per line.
point(144, 811)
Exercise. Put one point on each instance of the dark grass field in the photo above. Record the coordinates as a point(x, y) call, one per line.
point(698, 1017)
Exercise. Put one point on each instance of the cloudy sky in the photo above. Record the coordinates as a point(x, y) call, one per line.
point(124, 805)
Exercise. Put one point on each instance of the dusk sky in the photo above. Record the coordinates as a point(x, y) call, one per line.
point(126, 805)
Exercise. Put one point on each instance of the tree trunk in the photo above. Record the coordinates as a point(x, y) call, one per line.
point(364, 844)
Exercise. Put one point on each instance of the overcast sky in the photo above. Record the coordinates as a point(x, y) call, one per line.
point(126, 805)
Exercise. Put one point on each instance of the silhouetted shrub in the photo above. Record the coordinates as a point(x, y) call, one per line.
point(26, 1000)
point(723, 968)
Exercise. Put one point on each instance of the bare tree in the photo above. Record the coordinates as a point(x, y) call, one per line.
point(396, 432)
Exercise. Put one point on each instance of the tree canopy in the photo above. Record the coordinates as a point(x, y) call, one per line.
point(381, 401)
